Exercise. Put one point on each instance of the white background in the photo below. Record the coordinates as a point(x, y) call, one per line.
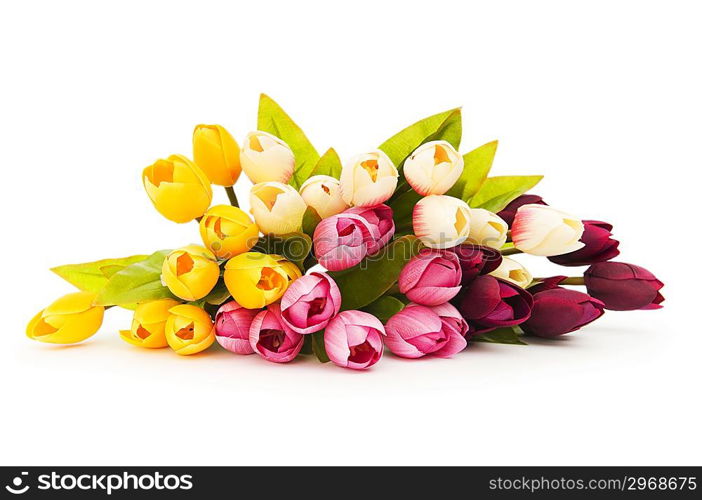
point(602, 97)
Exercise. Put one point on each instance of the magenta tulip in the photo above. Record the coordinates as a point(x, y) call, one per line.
point(558, 311)
point(343, 240)
point(623, 287)
point(380, 217)
point(476, 260)
point(310, 302)
point(431, 278)
point(232, 325)
point(271, 339)
point(507, 214)
point(599, 246)
point(353, 340)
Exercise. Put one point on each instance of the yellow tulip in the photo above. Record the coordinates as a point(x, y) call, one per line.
point(149, 324)
point(68, 320)
point(228, 231)
point(189, 329)
point(178, 188)
point(216, 152)
point(190, 272)
point(256, 279)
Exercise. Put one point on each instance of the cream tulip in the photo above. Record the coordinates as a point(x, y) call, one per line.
point(543, 230)
point(487, 229)
point(441, 221)
point(266, 158)
point(323, 193)
point(277, 208)
point(514, 272)
point(368, 179)
point(433, 168)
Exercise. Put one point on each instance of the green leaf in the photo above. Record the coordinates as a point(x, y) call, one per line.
point(309, 221)
point(329, 164)
point(318, 346)
point(444, 126)
point(476, 166)
point(219, 294)
point(374, 275)
point(93, 276)
point(137, 282)
point(402, 209)
point(496, 192)
point(500, 336)
point(272, 119)
point(385, 307)
point(293, 246)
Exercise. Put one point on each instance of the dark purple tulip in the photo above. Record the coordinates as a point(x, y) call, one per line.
point(599, 246)
point(507, 213)
point(559, 310)
point(488, 303)
point(623, 287)
point(476, 260)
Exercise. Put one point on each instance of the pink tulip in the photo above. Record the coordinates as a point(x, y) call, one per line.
point(353, 340)
point(310, 302)
point(343, 240)
point(380, 217)
point(418, 331)
point(431, 278)
point(232, 324)
point(271, 339)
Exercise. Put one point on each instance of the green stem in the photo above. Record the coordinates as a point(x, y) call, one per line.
point(510, 251)
point(232, 196)
point(573, 280)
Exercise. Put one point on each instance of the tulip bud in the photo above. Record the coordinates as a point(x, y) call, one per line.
point(323, 193)
point(380, 218)
point(441, 221)
point(599, 246)
point(433, 168)
point(277, 208)
point(476, 260)
point(623, 287)
point(310, 302)
point(190, 272)
point(189, 329)
point(271, 340)
point(149, 324)
point(228, 231)
point(353, 340)
point(232, 325)
point(265, 158)
point(68, 320)
point(368, 179)
point(452, 320)
point(507, 214)
point(177, 187)
point(255, 279)
point(487, 229)
point(431, 278)
point(216, 152)
point(559, 311)
point(514, 272)
point(343, 240)
point(542, 230)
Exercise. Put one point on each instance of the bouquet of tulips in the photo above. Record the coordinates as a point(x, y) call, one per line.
point(406, 247)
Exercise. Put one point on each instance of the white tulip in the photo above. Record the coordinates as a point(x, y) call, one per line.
point(487, 229)
point(277, 208)
point(323, 193)
point(441, 221)
point(368, 179)
point(514, 272)
point(266, 158)
point(433, 168)
point(543, 230)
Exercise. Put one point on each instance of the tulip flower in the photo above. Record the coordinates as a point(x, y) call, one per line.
point(277, 208)
point(343, 240)
point(559, 311)
point(353, 340)
point(542, 230)
point(433, 168)
point(514, 272)
point(310, 302)
point(323, 193)
point(487, 229)
point(228, 231)
point(507, 214)
point(452, 320)
point(190, 272)
point(488, 303)
point(417, 331)
point(441, 221)
point(476, 260)
point(177, 187)
point(265, 158)
point(270, 339)
point(232, 325)
point(368, 179)
point(149, 324)
point(68, 320)
point(431, 278)
point(255, 279)
point(380, 218)
point(599, 246)
point(189, 329)
point(216, 152)
point(623, 287)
